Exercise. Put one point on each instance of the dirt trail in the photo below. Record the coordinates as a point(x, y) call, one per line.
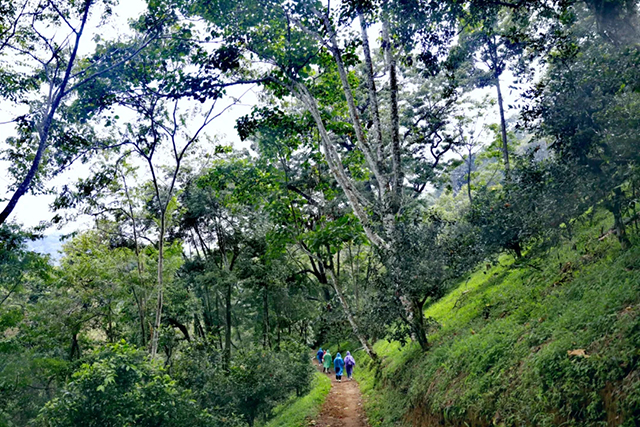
point(343, 407)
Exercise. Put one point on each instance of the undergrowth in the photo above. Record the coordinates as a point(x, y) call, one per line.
point(298, 411)
point(550, 340)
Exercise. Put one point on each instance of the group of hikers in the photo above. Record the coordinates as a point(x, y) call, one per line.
point(340, 364)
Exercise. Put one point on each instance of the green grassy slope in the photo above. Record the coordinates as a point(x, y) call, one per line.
point(554, 342)
point(299, 411)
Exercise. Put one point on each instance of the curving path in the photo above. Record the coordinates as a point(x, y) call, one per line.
point(343, 407)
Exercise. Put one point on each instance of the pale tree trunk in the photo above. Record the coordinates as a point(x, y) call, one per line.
point(227, 331)
point(58, 92)
point(266, 326)
point(371, 86)
point(469, 170)
point(160, 286)
point(503, 127)
point(352, 321)
point(45, 125)
point(140, 301)
point(389, 179)
point(356, 201)
point(372, 162)
point(396, 157)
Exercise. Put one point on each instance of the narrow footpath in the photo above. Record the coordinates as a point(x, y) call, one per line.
point(343, 407)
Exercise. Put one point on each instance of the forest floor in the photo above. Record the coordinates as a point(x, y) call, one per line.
point(343, 407)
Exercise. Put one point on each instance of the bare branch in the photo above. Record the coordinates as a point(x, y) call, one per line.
point(61, 15)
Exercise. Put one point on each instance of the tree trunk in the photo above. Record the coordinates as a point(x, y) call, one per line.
point(45, 125)
point(110, 334)
point(218, 323)
point(418, 326)
point(356, 200)
point(75, 347)
point(265, 324)
point(469, 170)
point(503, 127)
point(140, 302)
point(279, 334)
point(352, 321)
point(156, 324)
point(141, 317)
point(396, 155)
point(621, 230)
point(197, 328)
point(182, 327)
point(227, 332)
point(371, 86)
point(354, 279)
point(517, 249)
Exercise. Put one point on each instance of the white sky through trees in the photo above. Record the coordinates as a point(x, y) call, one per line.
point(31, 210)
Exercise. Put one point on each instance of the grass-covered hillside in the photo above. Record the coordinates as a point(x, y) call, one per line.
point(299, 411)
point(553, 340)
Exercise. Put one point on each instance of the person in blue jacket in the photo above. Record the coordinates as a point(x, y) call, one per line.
point(319, 355)
point(338, 364)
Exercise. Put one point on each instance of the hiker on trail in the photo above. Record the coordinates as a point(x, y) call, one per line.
point(326, 362)
point(338, 363)
point(319, 355)
point(349, 364)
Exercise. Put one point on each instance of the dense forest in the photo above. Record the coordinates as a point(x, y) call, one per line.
point(448, 188)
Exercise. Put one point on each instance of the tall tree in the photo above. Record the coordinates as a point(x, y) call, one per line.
point(304, 201)
point(44, 39)
point(312, 51)
point(494, 41)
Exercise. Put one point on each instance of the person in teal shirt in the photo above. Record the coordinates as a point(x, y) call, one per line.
point(326, 362)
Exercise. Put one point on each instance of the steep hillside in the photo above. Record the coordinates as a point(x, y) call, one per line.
point(553, 340)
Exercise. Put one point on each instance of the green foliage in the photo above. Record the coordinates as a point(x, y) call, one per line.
point(119, 387)
point(26, 364)
point(257, 380)
point(540, 196)
point(348, 218)
point(260, 380)
point(299, 411)
point(503, 352)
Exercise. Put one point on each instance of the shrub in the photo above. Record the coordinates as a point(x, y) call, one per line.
point(122, 387)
